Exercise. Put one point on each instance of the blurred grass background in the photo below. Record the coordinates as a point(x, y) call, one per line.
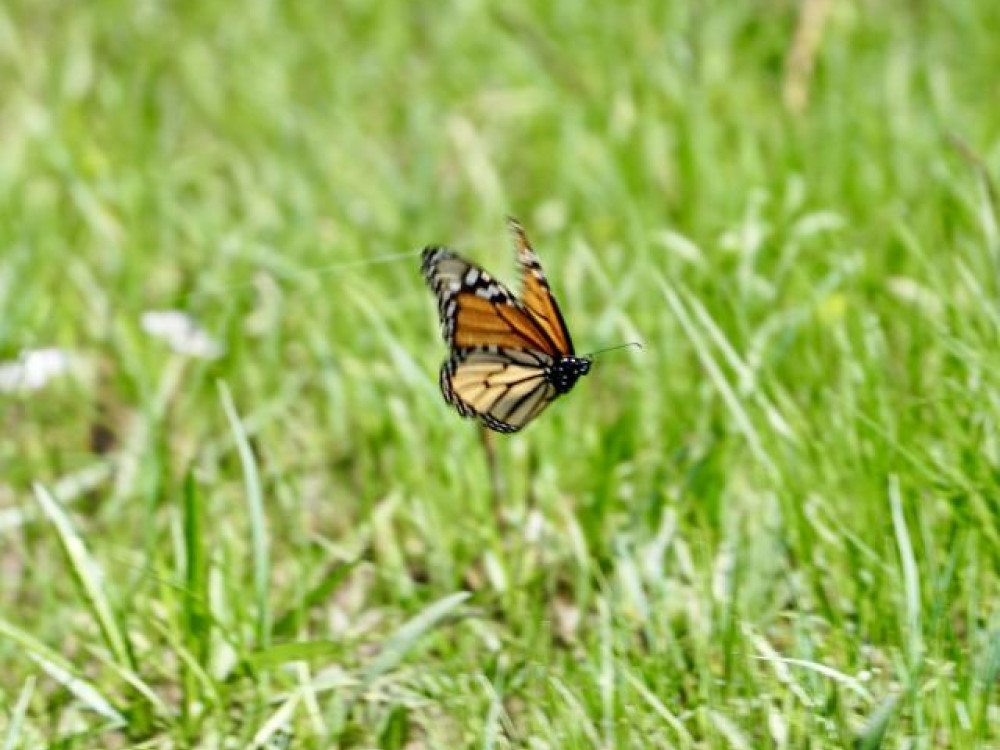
point(775, 527)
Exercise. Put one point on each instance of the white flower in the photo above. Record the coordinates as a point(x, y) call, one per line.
point(34, 369)
point(181, 333)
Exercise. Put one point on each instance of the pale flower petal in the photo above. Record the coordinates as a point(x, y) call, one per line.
point(181, 333)
point(34, 369)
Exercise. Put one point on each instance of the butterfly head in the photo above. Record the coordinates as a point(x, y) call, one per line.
point(565, 371)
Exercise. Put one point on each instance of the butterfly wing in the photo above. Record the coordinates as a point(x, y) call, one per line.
point(505, 388)
point(536, 295)
point(451, 277)
point(476, 309)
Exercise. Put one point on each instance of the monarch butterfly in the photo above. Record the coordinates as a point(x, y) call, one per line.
point(510, 357)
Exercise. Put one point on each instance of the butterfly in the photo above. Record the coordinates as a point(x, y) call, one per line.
point(510, 356)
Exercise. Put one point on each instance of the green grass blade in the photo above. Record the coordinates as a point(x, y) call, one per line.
point(911, 576)
point(607, 677)
point(283, 653)
point(661, 710)
point(991, 658)
point(84, 690)
point(872, 736)
point(276, 724)
point(582, 721)
point(739, 413)
point(88, 577)
point(318, 595)
point(195, 592)
point(62, 671)
point(16, 721)
point(194, 600)
point(134, 681)
point(407, 637)
point(191, 664)
point(258, 522)
point(821, 669)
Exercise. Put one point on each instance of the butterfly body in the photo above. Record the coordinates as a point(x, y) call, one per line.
point(510, 356)
point(565, 371)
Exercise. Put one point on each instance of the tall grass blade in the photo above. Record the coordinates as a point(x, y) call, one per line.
point(87, 576)
point(16, 721)
point(740, 416)
point(62, 670)
point(258, 524)
point(406, 637)
point(872, 735)
point(911, 577)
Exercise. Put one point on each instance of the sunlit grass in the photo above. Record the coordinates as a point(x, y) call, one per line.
point(775, 526)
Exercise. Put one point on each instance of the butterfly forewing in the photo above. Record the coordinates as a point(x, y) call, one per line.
point(475, 308)
point(451, 278)
point(536, 295)
point(481, 321)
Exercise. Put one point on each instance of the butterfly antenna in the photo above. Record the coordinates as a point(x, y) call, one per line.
point(636, 344)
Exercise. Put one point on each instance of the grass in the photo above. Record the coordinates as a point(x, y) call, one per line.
point(777, 526)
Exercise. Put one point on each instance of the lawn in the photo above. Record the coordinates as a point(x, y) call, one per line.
point(776, 525)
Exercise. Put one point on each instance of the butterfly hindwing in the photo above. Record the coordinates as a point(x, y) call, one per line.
point(506, 389)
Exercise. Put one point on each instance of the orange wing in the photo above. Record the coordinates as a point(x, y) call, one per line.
point(477, 311)
point(536, 295)
point(480, 322)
